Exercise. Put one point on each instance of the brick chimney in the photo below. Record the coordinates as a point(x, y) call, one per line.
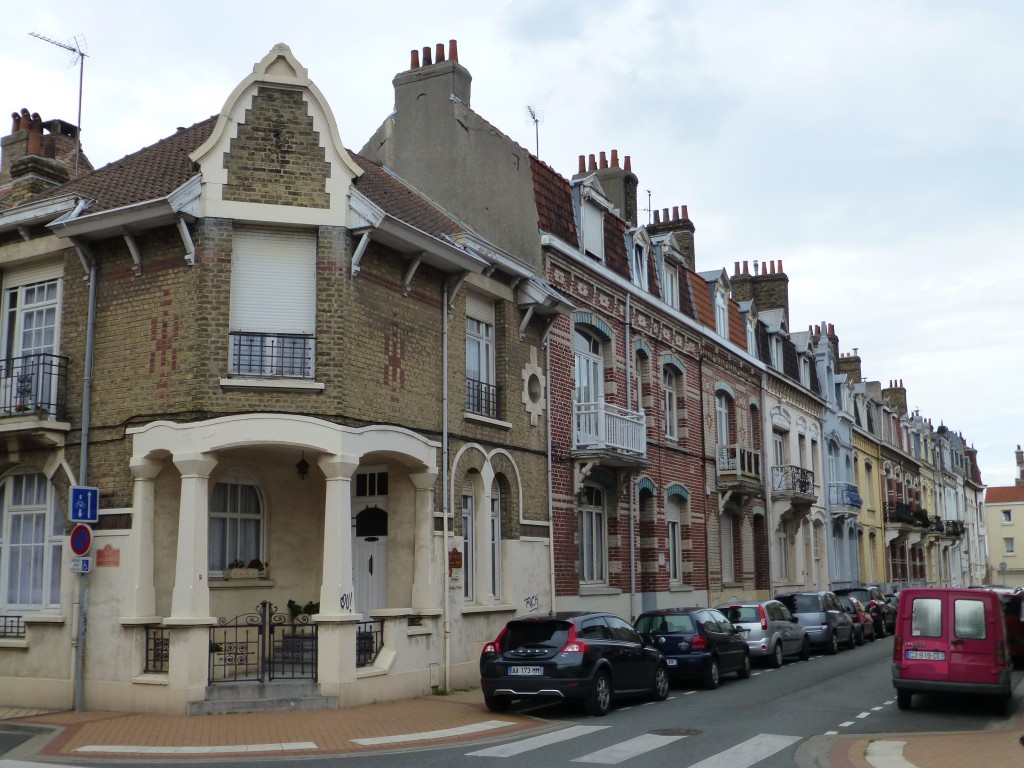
point(619, 183)
point(767, 284)
point(850, 365)
point(32, 161)
point(676, 223)
point(896, 395)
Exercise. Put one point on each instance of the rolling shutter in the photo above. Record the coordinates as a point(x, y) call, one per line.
point(273, 281)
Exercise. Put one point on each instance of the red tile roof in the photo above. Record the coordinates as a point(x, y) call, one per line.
point(1006, 494)
point(553, 197)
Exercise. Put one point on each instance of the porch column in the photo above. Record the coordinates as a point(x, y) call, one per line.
point(190, 601)
point(337, 590)
point(423, 534)
point(140, 600)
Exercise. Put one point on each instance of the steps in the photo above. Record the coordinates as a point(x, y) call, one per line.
point(273, 696)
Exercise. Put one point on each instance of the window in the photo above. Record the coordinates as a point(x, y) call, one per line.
point(721, 313)
point(236, 522)
point(589, 388)
point(31, 541)
point(639, 266)
point(30, 334)
point(468, 541)
point(592, 535)
point(1008, 547)
point(668, 380)
point(673, 519)
point(1007, 516)
point(670, 285)
point(273, 302)
point(593, 231)
point(779, 449)
point(495, 526)
point(776, 352)
point(805, 371)
point(782, 539)
point(722, 418)
point(751, 337)
point(728, 543)
point(640, 375)
point(969, 619)
point(481, 392)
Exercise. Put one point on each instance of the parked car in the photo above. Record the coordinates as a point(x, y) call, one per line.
point(863, 624)
point(827, 624)
point(771, 631)
point(883, 613)
point(1013, 613)
point(951, 640)
point(592, 657)
point(698, 643)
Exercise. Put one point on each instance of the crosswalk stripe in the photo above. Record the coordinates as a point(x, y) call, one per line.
point(536, 742)
point(626, 749)
point(887, 754)
point(749, 752)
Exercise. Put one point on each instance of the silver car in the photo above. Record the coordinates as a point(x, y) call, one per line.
point(771, 631)
point(823, 617)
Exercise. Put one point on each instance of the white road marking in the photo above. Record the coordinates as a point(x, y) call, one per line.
point(877, 709)
point(536, 742)
point(887, 754)
point(847, 724)
point(486, 725)
point(862, 715)
point(749, 752)
point(831, 733)
point(624, 750)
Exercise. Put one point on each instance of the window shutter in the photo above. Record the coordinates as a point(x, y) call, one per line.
point(273, 281)
point(480, 309)
point(593, 231)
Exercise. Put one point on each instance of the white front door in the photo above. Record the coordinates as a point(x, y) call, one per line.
point(370, 564)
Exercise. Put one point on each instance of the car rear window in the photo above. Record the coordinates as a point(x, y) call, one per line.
point(546, 633)
point(801, 603)
point(969, 619)
point(926, 617)
point(653, 625)
point(861, 594)
point(740, 614)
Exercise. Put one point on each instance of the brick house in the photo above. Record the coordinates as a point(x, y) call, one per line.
point(282, 361)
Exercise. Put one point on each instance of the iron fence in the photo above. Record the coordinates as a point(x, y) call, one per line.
point(369, 641)
point(158, 649)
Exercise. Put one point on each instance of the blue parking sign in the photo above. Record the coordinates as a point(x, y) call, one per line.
point(85, 504)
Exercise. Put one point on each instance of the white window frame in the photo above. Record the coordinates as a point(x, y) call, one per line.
point(495, 540)
point(1007, 517)
point(805, 371)
point(673, 523)
point(721, 312)
point(638, 265)
point(31, 333)
point(779, 448)
point(670, 285)
point(776, 352)
point(1008, 545)
point(727, 536)
point(668, 383)
point(468, 543)
point(722, 405)
point(234, 517)
point(751, 337)
point(593, 536)
point(480, 358)
point(782, 539)
point(34, 530)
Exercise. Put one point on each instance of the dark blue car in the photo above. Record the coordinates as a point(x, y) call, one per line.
point(699, 643)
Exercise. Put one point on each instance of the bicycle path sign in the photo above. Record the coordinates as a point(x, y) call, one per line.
point(85, 504)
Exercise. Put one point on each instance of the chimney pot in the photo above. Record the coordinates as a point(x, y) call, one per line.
point(439, 53)
point(604, 160)
point(831, 329)
point(675, 213)
point(426, 56)
point(453, 50)
point(746, 267)
point(583, 163)
point(26, 120)
point(736, 268)
point(615, 158)
point(629, 166)
point(664, 215)
point(757, 267)
point(780, 267)
point(686, 215)
point(15, 122)
point(657, 216)
point(592, 162)
point(771, 267)
point(414, 59)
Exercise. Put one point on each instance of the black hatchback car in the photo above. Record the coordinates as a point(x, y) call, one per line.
point(584, 656)
point(698, 643)
point(883, 613)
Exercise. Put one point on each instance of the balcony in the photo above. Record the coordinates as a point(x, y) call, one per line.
point(272, 355)
point(609, 433)
point(739, 470)
point(792, 483)
point(34, 386)
point(844, 499)
point(900, 514)
point(481, 398)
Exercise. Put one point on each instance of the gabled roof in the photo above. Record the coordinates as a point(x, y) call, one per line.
point(1005, 494)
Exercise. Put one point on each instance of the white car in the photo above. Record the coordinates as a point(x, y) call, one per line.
point(771, 631)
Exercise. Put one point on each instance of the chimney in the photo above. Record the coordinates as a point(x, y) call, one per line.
point(1020, 466)
point(896, 396)
point(850, 365)
point(676, 222)
point(434, 75)
point(32, 162)
point(619, 185)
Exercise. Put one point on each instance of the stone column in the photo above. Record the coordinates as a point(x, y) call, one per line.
point(423, 577)
point(190, 601)
point(337, 590)
point(140, 600)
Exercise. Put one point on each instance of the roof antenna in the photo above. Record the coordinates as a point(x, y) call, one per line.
point(536, 117)
point(79, 57)
point(648, 208)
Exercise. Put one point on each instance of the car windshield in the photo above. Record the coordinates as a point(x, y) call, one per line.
point(740, 614)
point(553, 633)
point(654, 625)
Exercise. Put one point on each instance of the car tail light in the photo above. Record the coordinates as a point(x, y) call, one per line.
point(764, 618)
point(897, 649)
point(492, 648)
point(1001, 654)
point(572, 645)
point(698, 643)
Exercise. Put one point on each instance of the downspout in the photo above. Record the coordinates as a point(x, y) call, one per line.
point(632, 476)
point(445, 573)
point(83, 478)
point(768, 517)
point(551, 488)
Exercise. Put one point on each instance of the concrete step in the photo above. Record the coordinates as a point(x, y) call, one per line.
point(274, 696)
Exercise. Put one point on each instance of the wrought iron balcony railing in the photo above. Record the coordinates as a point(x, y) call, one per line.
point(844, 495)
point(900, 513)
point(482, 398)
point(736, 462)
point(34, 384)
point(272, 355)
point(792, 479)
point(599, 425)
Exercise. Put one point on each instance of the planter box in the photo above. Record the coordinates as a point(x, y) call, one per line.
point(242, 573)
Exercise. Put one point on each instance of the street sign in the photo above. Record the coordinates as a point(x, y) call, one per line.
point(81, 565)
point(85, 504)
point(81, 539)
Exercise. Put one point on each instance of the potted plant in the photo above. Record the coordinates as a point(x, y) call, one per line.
point(239, 569)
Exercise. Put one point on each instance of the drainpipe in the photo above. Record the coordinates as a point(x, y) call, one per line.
point(768, 518)
point(445, 576)
point(632, 475)
point(83, 479)
point(551, 507)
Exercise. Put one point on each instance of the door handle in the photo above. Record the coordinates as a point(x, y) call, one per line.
point(371, 565)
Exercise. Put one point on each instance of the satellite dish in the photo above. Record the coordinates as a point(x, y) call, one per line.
point(1003, 566)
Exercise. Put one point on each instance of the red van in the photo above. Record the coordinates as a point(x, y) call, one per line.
point(951, 640)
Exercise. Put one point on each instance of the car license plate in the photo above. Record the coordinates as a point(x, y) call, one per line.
point(670, 662)
point(927, 655)
point(526, 670)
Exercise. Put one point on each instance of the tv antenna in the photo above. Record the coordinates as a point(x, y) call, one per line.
point(536, 117)
point(648, 208)
point(79, 57)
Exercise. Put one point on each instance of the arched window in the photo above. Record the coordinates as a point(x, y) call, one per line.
point(468, 541)
point(495, 539)
point(31, 540)
point(236, 522)
point(722, 420)
point(668, 381)
point(673, 520)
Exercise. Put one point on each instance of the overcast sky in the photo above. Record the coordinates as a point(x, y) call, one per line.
point(874, 146)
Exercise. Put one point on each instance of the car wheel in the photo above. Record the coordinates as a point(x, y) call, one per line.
point(903, 699)
point(776, 659)
point(859, 640)
point(497, 703)
point(600, 699)
point(852, 642)
point(832, 645)
point(805, 650)
point(661, 685)
point(711, 678)
point(880, 629)
point(743, 673)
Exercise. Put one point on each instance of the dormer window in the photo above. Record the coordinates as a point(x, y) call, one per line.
point(721, 312)
point(776, 352)
point(670, 285)
point(638, 266)
point(751, 337)
point(805, 371)
point(593, 230)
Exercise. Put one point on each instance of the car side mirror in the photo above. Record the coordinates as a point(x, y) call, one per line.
point(794, 619)
point(736, 630)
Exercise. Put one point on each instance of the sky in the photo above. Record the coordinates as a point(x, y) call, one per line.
point(873, 146)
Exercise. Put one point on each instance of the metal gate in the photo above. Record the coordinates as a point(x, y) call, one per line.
point(261, 646)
